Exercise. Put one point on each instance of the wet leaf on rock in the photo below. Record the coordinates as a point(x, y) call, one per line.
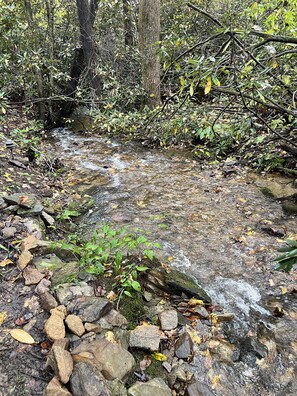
point(159, 356)
point(22, 336)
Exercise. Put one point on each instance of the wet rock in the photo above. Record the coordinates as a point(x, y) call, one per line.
point(94, 327)
point(155, 386)
point(75, 325)
point(8, 232)
point(198, 388)
point(32, 276)
point(64, 271)
point(49, 221)
point(106, 354)
point(145, 337)
point(82, 204)
point(223, 350)
point(55, 388)
point(168, 319)
point(25, 259)
point(202, 312)
point(3, 205)
point(90, 309)
point(36, 210)
point(54, 326)
point(48, 301)
point(113, 319)
point(251, 345)
point(69, 291)
point(21, 199)
point(87, 380)
point(278, 189)
point(184, 346)
point(158, 281)
point(61, 362)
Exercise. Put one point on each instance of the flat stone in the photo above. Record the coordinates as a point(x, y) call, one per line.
point(155, 386)
point(63, 271)
point(49, 221)
point(115, 361)
point(29, 243)
point(36, 210)
point(61, 362)
point(90, 309)
point(10, 209)
point(8, 232)
point(184, 346)
point(168, 319)
point(113, 319)
point(48, 301)
point(54, 326)
point(49, 261)
point(55, 388)
point(94, 327)
point(25, 258)
point(70, 291)
point(75, 325)
point(202, 312)
point(198, 388)
point(87, 380)
point(32, 276)
point(21, 199)
point(145, 337)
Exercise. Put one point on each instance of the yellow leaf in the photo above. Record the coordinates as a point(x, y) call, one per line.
point(214, 319)
point(194, 301)
point(284, 290)
point(3, 316)
point(5, 262)
point(274, 63)
point(7, 177)
point(216, 379)
point(110, 337)
point(159, 356)
point(208, 86)
point(141, 204)
point(22, 336)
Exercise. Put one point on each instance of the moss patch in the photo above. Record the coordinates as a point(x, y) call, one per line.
point(132, 309)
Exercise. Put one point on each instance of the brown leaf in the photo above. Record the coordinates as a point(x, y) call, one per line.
point(22, 336)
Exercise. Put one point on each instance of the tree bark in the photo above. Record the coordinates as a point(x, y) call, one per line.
point(128, 28)
point(86, 14)
point(149, 35)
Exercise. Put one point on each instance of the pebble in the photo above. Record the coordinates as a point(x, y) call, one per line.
point(75, 325)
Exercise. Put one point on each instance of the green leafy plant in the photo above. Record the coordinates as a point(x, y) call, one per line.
point(67, 214)
point(113, 252)
point(289, 258)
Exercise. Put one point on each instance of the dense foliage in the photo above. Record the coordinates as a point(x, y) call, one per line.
point(228, 83)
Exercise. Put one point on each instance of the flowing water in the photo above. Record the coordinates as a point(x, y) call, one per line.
point(210, 225)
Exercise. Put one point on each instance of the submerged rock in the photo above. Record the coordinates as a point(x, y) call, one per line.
point(155, 386)
point(184, 346)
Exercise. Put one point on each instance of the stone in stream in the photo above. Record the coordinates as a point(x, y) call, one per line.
point(198, 388)
point(90, 309)
point(55, 388)
point(157, 280)
point(145, 337)
point(155, 386)
point(113, 360)
point(184, 346)
point(168, 319)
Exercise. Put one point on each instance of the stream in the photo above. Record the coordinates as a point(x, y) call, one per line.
point(215, 226)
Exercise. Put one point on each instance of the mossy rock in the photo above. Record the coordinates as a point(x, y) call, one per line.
point(267, 192)
point(178, 283)
point(81, 205)
point(132, 309)
point(289, 207)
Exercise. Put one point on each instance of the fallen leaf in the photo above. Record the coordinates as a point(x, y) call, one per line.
point(216, 379)
point(110, 337)
point(284, 290)
point(5, 262)
point(22, 336)
point(159, 356)
point(194, 301)
point(3, 316)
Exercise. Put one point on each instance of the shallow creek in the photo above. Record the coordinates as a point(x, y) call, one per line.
point(210, 225)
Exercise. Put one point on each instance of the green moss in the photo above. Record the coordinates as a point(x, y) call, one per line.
point(132, 309)
point(267, 192)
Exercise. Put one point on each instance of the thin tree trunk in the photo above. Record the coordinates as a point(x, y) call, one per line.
point(149, 35)
point(51, 40)
point(128, 27)
point(86, 14)
point(38, 72)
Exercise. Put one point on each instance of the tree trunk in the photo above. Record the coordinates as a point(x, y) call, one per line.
point(86, 14)
point(50, 10)
point(38, 72)
point(149, 35)
point(128, 27)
